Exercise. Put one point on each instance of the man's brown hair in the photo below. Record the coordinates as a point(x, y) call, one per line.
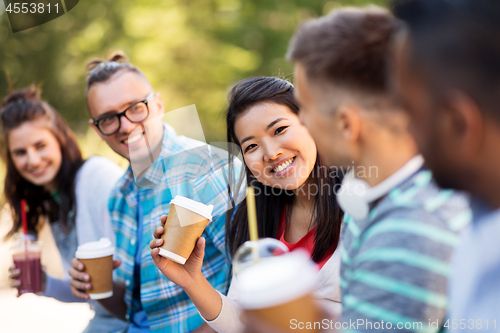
point(348, 47)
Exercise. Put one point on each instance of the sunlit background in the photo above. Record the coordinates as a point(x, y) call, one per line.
point(192, 51)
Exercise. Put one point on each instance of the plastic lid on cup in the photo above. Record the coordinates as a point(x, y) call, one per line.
point(26, 242)
point(102, 248)
point(277, 280)
point(29, 246)
point(194, 206)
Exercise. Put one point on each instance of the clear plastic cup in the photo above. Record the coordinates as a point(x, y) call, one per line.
point(252, 252)
point(26, 255)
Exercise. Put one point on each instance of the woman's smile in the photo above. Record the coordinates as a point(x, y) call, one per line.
point(284, 168)
point(278, 150)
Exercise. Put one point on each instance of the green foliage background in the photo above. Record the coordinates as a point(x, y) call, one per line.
point(192, 51)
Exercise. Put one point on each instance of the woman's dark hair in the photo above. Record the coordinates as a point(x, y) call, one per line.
point(270, 202)
point(17, 108)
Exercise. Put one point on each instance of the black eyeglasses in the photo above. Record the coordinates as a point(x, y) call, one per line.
point(135, 113)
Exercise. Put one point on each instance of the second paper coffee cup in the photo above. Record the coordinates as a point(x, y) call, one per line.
point(97, 258)
point(279, 290)
point(185, 223)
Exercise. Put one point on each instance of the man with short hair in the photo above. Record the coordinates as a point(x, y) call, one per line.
point(126, 114)
point(400, 228)
point(447, 73)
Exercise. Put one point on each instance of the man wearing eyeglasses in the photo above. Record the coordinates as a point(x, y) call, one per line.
point(123, 108)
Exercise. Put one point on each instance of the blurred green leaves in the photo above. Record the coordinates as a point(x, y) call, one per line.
point(192, 51)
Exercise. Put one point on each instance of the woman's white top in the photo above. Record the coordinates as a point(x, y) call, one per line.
point(94, 182)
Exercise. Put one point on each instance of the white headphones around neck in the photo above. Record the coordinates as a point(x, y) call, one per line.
point(355, 195)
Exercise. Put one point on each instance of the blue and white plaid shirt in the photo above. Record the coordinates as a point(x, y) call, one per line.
point(181, 169)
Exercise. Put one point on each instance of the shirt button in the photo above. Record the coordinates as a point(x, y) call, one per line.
point(127, 283)
point(127, 316)
point(132, 241)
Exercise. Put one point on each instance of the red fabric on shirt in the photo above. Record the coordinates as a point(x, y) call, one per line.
point(306, 242)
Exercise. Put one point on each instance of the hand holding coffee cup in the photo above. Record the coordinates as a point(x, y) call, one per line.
point(79, 282)
point(92, 270)
point(182, 275)
point(185, 223)
point(182, 259)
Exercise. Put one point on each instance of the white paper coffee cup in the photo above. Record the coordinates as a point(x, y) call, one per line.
point(277, 280)
point(279, 289)
point(97, 258)
point(185, 223)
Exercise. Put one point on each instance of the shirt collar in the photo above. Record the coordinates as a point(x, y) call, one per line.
point(155, 172)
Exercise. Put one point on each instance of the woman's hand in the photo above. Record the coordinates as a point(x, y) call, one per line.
point(188, 276)
point(182, 275)
point(15, 273)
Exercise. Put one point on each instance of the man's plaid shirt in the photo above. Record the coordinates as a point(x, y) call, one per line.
point(181, 169)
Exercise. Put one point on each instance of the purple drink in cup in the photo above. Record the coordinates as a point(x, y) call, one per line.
point(26, 255)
